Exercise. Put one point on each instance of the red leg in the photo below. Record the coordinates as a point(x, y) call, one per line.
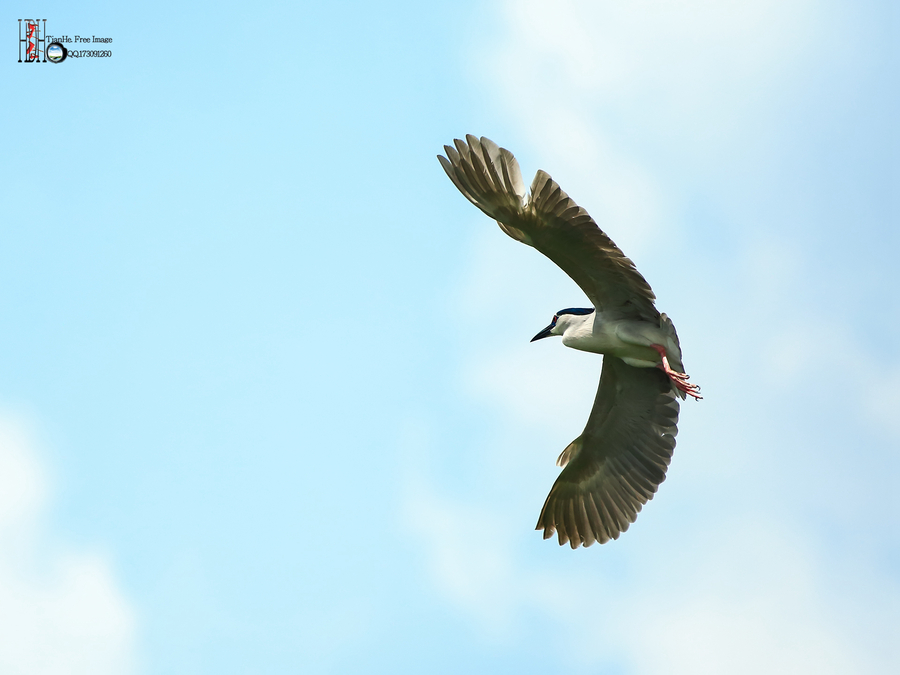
point(680, 380)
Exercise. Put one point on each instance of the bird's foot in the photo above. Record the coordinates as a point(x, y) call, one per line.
point(680, 380)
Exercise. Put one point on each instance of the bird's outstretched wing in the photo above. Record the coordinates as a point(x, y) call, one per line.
point(551, 222)
point(618, 462)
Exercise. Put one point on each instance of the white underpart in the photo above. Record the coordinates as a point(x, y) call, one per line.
point(628, 340)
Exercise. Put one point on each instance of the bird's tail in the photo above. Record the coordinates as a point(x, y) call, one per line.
point(489, 177)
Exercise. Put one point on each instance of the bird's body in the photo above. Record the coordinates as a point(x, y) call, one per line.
point(615, 466)
point(625, 339)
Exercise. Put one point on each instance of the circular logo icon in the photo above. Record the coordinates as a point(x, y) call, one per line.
point(56, 52)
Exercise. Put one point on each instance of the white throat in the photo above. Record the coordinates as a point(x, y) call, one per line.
point(574, 329)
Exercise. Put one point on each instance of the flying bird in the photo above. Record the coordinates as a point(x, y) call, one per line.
point(617, 463)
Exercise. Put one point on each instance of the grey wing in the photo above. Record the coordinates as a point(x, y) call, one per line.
point(618, 462)
point(550, 221)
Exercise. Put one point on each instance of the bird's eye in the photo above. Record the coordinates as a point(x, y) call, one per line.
point(553, 321)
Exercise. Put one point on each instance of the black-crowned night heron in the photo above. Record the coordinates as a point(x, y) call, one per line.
point(616, 465)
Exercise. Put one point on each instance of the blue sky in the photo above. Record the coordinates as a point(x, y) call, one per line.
point(267, 401)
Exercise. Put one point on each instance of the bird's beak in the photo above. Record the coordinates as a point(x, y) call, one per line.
point(544, 333)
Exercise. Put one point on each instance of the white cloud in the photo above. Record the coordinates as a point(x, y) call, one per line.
point(472, 558)
point(61, 610)
point(606, 87)
point(757, 602)
point(701, 61)
point(749, 597)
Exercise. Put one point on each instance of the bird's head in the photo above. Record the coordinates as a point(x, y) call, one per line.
point(562, 320)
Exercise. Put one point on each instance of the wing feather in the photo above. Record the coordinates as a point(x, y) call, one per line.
point(551, 222)
point(598, 531)
point(619, 460)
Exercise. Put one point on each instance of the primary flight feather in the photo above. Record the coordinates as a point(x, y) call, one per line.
point(617, 463)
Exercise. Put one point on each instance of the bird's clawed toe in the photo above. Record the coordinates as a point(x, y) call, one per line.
point(689, 389)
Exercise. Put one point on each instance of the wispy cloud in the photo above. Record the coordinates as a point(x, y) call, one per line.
point(62, 610)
